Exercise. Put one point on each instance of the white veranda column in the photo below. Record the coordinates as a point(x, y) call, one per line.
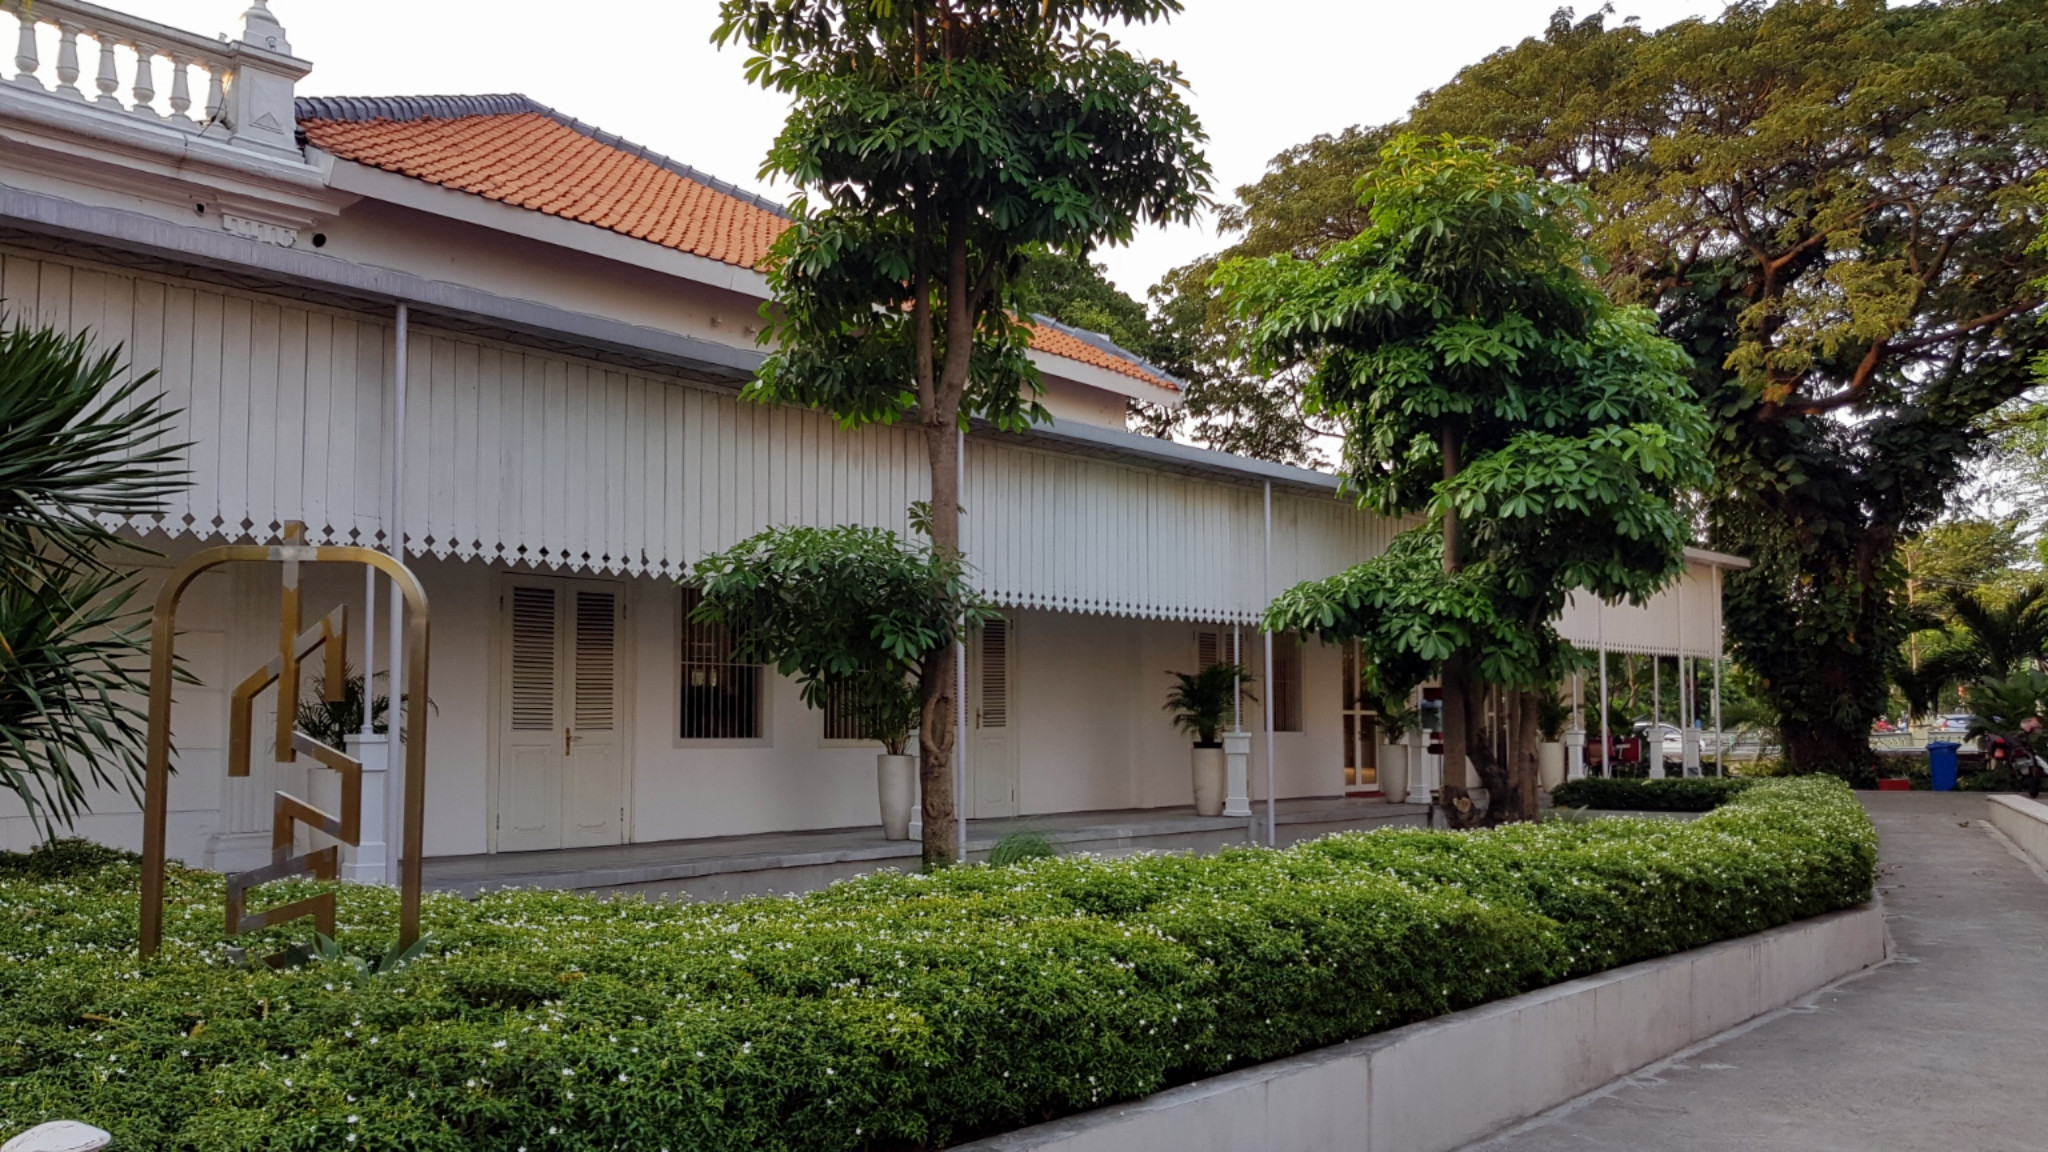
point(1272, 820)
point(394, 543)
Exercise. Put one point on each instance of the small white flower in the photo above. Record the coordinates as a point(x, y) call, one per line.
point(497, 1043)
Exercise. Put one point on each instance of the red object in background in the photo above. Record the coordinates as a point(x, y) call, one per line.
point(1894, 785)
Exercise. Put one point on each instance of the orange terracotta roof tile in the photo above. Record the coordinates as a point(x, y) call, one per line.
point(517, 151)
point(1055, 339)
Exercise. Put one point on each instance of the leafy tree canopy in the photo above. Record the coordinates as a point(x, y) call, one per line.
point(1829, 204)
point(853, 609)
point(1481, 380)
point(939, 144)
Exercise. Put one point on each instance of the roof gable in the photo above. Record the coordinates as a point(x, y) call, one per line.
point(520, 152)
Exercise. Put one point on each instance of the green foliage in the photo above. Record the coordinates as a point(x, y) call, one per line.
point(1460, 318)
point(901, 1011)
point(1677, 794)
point(859, 609)
point(79, 444)
point(1077, 292)
point(936, 152)
point(1018, 847)
point(333, 721)
point(1553, 712)
point(1999, 705)
point(1829, 205)
point(1202, 702)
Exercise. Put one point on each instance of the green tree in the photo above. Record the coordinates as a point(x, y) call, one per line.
point(1076, 291)
point(1826, 202)
point(1483, 381)
point(79, 444)
point(1828, 205)
point(938, 143)
point(856, 612)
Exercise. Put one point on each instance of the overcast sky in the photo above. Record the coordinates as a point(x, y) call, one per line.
point(1266, 73)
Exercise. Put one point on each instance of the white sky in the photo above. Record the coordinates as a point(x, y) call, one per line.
point(1266, 74)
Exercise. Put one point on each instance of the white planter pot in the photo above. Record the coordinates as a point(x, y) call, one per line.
point(1549, 764)
point(1210, 773)
point(1394, 772)
point(896, 781)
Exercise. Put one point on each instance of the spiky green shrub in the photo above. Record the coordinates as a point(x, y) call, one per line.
point(1675, 794)
point(895, 1011)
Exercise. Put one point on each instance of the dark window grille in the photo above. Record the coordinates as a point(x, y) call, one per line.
point(721, 697)
point(841, 723)
point(1286, 685)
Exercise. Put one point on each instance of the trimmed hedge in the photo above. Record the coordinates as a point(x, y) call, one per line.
point(1676, 794)
point(895, 1011)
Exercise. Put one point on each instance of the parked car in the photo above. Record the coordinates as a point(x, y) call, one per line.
point(1953, 724)
point(1672, 737)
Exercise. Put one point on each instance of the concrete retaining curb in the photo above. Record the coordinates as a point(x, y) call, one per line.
point(2024, 822)
point(1444, 1083)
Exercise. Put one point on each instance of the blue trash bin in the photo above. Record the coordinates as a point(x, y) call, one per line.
point(1941, 764)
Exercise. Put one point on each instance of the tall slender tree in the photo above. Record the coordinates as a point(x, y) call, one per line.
point(1483, 381)
point(937, 142)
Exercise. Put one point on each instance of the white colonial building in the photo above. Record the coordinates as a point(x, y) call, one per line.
point(518, 341)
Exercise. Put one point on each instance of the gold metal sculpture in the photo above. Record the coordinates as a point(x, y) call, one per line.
point(330, 638)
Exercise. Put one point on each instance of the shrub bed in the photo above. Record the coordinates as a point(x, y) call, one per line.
point(1676, 794)
point(895, 1011)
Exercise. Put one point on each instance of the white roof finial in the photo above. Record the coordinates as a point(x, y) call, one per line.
point(260, 28)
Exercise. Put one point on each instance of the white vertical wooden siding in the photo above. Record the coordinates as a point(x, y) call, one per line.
point(529, 457)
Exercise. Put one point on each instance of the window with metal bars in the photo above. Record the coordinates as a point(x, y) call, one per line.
point(1286, 683)
point(841, 722)
point(721, 697)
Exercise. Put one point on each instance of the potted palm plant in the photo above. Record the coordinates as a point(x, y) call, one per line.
point(1552, 714)
point(1202, 703)
point(1397, 718)
point(886, 706)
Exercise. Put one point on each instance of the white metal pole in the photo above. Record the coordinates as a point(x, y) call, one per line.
point(394, 543)
point(1237, 682)
point(1272, 819)
point(1606, 741)
point(960, 670)
point(369, 668)
point(1720, 737)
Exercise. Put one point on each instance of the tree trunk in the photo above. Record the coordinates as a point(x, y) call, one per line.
point(1459, 709)
point(1460, 702)
point(1522, 776)
point(937, 732)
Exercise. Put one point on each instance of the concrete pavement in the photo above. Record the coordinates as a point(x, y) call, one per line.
point(1945, 1047)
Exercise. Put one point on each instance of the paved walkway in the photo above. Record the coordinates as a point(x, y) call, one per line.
point(1946, 1047)
point(863, 849)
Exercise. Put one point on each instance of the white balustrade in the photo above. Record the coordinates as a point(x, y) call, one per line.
point(128, 43)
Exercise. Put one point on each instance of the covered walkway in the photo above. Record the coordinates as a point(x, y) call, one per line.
point(727, 867)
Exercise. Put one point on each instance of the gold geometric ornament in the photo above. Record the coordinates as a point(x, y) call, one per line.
point(329, 638)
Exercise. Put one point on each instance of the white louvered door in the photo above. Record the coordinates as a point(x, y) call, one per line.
point(594, 789)
point(561, 755)
point(992, 757)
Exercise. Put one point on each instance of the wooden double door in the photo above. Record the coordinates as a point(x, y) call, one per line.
point(561, 778)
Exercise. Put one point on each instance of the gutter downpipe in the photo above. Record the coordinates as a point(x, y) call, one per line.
point(1271, 819)
point(1720, 737)
point(394, 543)
point(1606, 742)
